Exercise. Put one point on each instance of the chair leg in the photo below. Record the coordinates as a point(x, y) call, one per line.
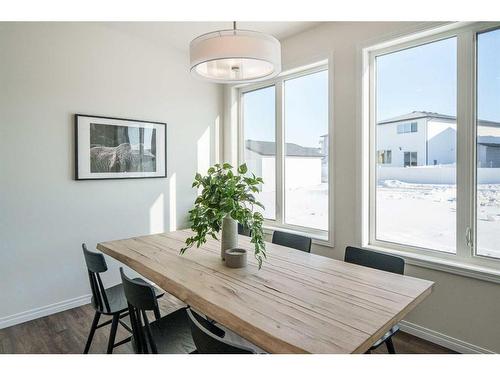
point(390, 346)
point(95, 322)
point(112, 333)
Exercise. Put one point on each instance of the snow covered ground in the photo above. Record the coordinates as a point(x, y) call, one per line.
point(305, 206)
point(424, 215)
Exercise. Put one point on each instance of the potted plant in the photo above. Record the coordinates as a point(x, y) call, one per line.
point(226, 199)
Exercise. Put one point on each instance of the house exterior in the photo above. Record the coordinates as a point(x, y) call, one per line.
point(427, 138)
point(303, 165)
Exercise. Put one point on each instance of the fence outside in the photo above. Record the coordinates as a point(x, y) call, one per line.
point(434, 175)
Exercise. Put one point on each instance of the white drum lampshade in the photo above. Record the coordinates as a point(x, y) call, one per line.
point(235, 56)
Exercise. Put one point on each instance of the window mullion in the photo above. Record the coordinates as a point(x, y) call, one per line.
point(465, 142)
point(280, 151)
point(372, 147)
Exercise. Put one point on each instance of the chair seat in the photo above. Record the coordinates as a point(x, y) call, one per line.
point(117, 300)
point(386, 336)
point(172, 333)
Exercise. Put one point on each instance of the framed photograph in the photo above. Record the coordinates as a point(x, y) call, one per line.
point(115, 148)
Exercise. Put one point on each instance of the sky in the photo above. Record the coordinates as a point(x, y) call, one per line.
point(306, 111)
point(489, 75)
point(422, 78)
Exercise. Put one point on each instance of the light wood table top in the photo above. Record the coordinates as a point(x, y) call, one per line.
point(297, 303)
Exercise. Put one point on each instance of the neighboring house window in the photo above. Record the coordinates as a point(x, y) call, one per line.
point(417, 211)
point(408, 127)
point(385, 157)
point(285, 128)
point(410, 159)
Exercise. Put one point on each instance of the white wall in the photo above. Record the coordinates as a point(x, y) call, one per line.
point(460, 308)
point(435, 175)
point(302, 172)
point(388, 138)
point(419, 175)
point(268, 170)
point(48, 72)
point(441, 142)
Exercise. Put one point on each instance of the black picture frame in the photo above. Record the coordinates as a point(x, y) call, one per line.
point(80, 175)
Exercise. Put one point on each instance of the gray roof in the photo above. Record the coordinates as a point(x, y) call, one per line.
point(423, 114)
point(488, 140)
point(269, 149)
point(416, 115)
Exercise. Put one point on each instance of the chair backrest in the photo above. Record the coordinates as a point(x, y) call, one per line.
point(296, 241)
point(245, 231)
point(95, 265)
point(141, 297)
point(208, 338)
point(373, 259)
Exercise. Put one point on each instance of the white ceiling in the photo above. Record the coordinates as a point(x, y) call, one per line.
point(179, 34)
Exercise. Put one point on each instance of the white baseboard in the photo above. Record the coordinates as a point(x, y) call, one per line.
point(11, 320)
point(442, 339)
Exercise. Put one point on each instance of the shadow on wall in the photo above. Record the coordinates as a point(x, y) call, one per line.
point(167, 199)
point(207, 153)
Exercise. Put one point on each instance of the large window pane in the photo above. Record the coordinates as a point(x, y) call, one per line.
point(259, 124)
point(416, 123)
point(306, 150)
point(488, 144)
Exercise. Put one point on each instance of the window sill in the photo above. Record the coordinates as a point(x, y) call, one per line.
point(434, 263)
point(317, 238)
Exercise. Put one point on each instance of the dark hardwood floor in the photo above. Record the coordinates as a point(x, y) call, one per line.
point(66, 332)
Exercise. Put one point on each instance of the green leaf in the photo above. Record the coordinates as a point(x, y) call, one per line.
point(224, 193)
point(242, 169)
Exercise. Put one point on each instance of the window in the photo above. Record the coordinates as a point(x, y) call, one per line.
point(259, 118)
point(415, 207)
point(446, 82)
point(488, 144)
point(306, 154)
point(285, 128)
point(409, 127)
point(385, 157)
point(410, 159)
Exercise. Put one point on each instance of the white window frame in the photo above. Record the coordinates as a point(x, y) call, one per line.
point(465, 261)
point(321, 237)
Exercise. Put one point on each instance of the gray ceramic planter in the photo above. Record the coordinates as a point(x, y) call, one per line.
point(236, 258)
point(229, 238)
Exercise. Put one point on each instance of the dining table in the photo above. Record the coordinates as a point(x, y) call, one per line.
point(297, 302)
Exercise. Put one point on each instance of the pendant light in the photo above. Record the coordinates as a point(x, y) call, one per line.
point(235, 56)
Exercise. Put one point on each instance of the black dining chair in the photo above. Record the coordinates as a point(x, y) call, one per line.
point(106, 301)
point(295, 241)
point(384, 262)
point(209, 339)
point(170, 334)
point(243, 230)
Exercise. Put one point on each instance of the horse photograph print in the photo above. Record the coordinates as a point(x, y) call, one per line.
point(111, 148)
